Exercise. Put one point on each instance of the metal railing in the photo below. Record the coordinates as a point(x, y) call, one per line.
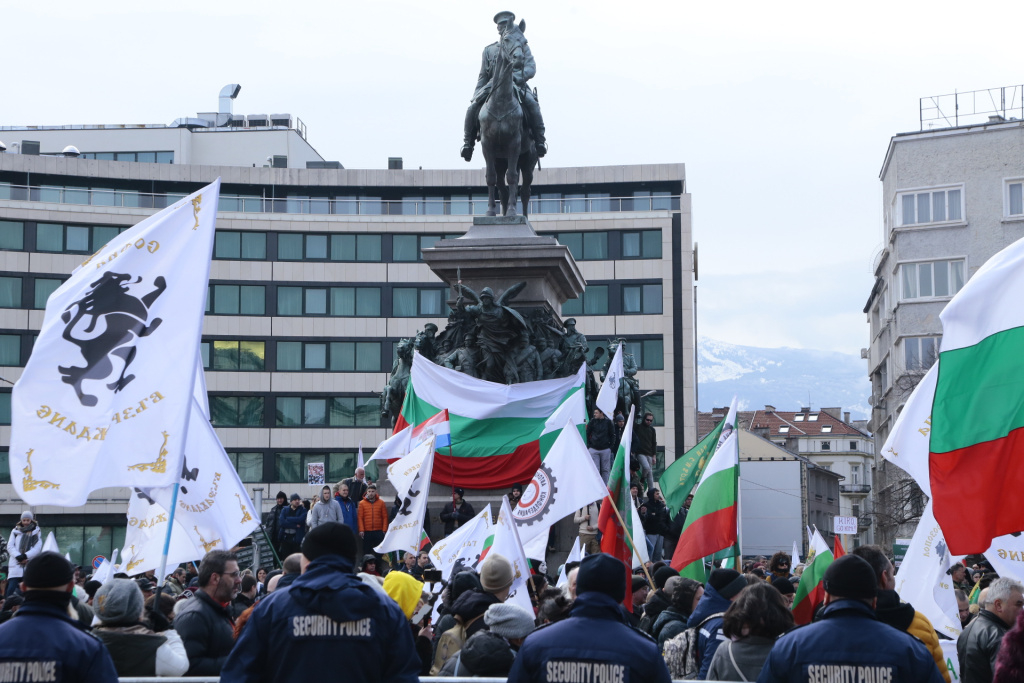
point(855, 488)
point(963, 108)
point(350, 206)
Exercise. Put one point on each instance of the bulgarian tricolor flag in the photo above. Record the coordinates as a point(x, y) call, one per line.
point(977, 434)
point(424, 540)
point(810, 592)
point(711, 524)
point(499, 433)
point(615, 538)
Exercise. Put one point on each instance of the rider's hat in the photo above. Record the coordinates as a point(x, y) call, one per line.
point(503, 16)
point(570, 321)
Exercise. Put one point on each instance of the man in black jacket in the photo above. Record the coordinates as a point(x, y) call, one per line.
point(205, 623)
point(657, 524)
point(457, 513)
point(978, 645)
point(270, 520)
point(645, 446)
point(600, 440)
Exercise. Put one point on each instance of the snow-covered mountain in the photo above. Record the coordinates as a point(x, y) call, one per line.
point(785, 378)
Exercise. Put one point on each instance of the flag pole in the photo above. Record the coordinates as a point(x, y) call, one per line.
point(162, 576)
point(629, 537)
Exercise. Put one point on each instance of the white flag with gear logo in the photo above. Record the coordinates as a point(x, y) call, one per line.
point(566, 481)
point(105, 397)
point(609, 394)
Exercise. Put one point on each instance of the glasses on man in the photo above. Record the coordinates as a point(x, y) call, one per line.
point(649, 420)
point(234, 575)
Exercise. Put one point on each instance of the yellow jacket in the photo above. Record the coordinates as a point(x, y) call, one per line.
point(922, 629)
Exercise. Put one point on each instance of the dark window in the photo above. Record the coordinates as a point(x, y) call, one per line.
point(5, 408)
point(12, 235)
point(594, 301)
point(10, 350)
point(292, 467)
point(585, 246)
point(826, 445)
point(655, 404)
point(236, 411)
point(411, 302)
point(341, 411)
point(641, 299)
point(5, 466)
point(236, 300)
point(232, 354)
point(248, 465)
point(348, 356)
point(334, 301)
point(645, 244)
point(10, 292)
point(649, 354)
point(240, 246)
point(44, 288)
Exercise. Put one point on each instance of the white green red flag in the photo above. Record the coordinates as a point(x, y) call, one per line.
point(683, 474)
point(616, 531)
point(977, 434)
point(810, 592)
point(499, 433)
point(711, 523)
point(106, 395)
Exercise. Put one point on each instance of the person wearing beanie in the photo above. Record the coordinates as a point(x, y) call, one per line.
point(456, 513)
point(848, 642)
point(496, 577)
point(898, 614)
point(44, 639)
point(407, 592)
point(594, 638)
point(135, 648)
point(491, 652)
point(291, 526)
point(327, 614)
point(786, 589)
point(723, 586)
point(672, 621)
point(26, 542)
point(270, 520)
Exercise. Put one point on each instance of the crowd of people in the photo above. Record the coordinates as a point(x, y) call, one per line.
point(218, 619)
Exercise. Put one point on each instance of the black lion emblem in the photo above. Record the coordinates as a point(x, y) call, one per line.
point(124, 319)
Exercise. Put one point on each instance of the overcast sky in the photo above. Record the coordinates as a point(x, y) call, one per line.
point(782, 112)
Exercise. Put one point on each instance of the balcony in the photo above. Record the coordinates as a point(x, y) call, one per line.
point(855, 489)
point(863, 523)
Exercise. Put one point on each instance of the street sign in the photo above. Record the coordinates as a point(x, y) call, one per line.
point(899, 550)
point(97, 561)
point(844, 525)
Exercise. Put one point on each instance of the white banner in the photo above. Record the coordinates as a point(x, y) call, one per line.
point(411, 478)
point(507, 544)
point(922, 579)
point(213, 508)
point(609, 394)
point(907, 445)
point(464, 546)
point(844, 525)
point(566, 481)
point(105, 397)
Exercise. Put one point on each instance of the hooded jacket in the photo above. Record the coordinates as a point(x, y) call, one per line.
point(326, 615)
point(668, 625)
point(35, 546)
point(594, 635)
point(45, 638)
point(710, 635)
point(848, 639)
point(348, 513)
point(324, 511)
point(657, 602)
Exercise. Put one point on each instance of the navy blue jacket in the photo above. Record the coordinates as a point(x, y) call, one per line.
point(848, 641)
point(291, 524)
point(348, 513)
point(42, 643)
point(593, 644)
point(710, 635)
point(326, 615)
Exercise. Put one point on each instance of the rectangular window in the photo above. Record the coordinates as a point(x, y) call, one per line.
point(236, 355)
point(10, 292)
point(644, 244)
point(933, 206)
point(405, 248)
point(236, 411)
point(411, 302)
point(826, 445)
point(855, 474)
point(50, 237)
point(645, 299)
point(585, 246)
point(920, 352)
point(240, 246)
point(5, 408)
point(5, 467)
point(594, 301)
point(248, 465)
point(655, 404)
point(1015, 199)
point(12, 235)
point(44, 288)
point(339, 411)
point(652, 354)
point(237, 300)
point(932, 279)
point(10, 350)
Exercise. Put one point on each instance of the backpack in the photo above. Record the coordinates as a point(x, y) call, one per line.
point(450, 644)
point(681, 652)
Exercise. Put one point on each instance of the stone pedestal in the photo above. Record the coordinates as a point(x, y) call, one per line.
point(498, 252)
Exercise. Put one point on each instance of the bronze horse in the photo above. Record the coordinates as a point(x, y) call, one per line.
point(504, 138)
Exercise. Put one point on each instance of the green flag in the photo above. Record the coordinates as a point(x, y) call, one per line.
point(682, 475)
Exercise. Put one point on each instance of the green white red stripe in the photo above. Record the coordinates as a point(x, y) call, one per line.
point(810, 592)
point(977, 433)
point(614, 536)
point(499, 432)
point(711, 523)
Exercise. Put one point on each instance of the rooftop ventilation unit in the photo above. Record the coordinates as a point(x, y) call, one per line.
point(324, 164)
point(236, 121)
point(191, 123)
point(70, 151)
point(279, 161)
point(281, 120)
point(257, 120)
point(227, 95)
point(30, 147)
point(394, 163)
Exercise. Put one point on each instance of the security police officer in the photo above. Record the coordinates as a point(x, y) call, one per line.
point(43, 643)
point(594, 644)
point(327, 614)
point(848, 643)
